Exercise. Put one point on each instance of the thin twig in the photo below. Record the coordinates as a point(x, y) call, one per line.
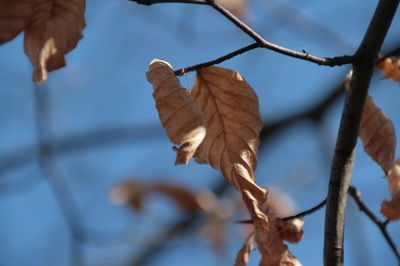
point(334, 61)
point(78, 142)
point(307, 212)
point(356, 195)
point(299, 215)
point(56, 183)
point(343, 159)
point(242, 50)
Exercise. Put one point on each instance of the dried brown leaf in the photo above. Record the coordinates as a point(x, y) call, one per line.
point(391, 209)
point(180, 116)
point(186, 199)
point(269, 239)
point(279, 202)
point(131, 193)
point(243, 256)
point(55, 29)
point(290, 230)
point(234, 124)
point(378, 135)
point(390, 67)
point(134, 192)
point(15, 16)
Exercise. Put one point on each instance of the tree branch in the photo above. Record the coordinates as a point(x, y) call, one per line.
point(334, 61)
point(221, 59)
point(343, 160)
point(56, 183)
point(356, 195)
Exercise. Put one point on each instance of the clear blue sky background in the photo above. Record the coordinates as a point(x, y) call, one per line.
point(104, 87)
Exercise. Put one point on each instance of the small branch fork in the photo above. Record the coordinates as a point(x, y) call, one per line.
point(382, 225)
point(260, 41)
point(356, 195)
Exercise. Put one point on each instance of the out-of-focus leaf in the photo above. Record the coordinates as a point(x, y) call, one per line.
point(390, 67)
point(131, 193)
point(180, 116)
point(279, 202)
point(186, 199)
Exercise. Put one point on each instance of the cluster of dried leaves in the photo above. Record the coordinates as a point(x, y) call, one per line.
point(379, 139)
point(52, 28)
point(218, 123)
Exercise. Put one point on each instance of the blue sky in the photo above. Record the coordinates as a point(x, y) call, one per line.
point(104, 87)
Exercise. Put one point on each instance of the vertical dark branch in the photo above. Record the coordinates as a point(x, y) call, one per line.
point(56, 183)
point(343, 160)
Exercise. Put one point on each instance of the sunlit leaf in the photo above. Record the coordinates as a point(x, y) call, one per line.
point(180, 116)
point(55, 29)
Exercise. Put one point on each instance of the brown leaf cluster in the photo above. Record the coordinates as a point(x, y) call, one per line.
point(379, 138)
point(270, 232)
point(390, 67)
point(52, 28)
point(218, 123)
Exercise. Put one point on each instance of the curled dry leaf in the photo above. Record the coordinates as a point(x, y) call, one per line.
point(15, 16)
point(269, 238)
point(234, 124)
point(55, 29)
point(214, 229)
point(378, 135)
point(243, 256)
point(391, 209)
point(180, 116)
point(390, 67)
point(290, 230)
